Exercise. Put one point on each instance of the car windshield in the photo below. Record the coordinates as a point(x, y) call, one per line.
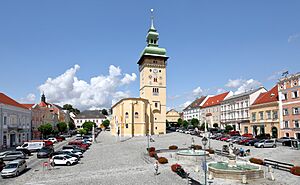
point(11, 165)
point(261, 141)
point(44, 150)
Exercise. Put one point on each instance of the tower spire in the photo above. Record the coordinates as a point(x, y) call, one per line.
point(152, 20)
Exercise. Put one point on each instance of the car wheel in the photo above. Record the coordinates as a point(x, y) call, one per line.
point(17, 173)
point(68, 163)
point(261, 146)
point(274, 146)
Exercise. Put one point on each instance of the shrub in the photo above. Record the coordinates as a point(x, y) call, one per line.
point(151, 149)
point(295, 170)
point(197, 147)
point(162, 160)
point(210, 151)
point(173, 147)
point(152, 154)
point(175, 167)
point(256, 161)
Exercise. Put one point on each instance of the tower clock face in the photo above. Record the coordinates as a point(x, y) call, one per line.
point(155, 70)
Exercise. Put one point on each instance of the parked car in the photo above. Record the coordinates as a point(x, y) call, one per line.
point(12, 155)
point(252, 142)
point(2, 164)
point(245, 140)
point(60, 138)
point(14, 168)
point(247, 135)
point(63, 152)
point(283, 139)
point(224, 138)
point(232, 138)
point(74, 147)
point(263, 136)
point(238, 139)
point(265, 143)
point(63, 159)
point(75, 151)
point(52, 139)
point(234, 133)
point(32, 146)
point(24, 150)
point(45, 152)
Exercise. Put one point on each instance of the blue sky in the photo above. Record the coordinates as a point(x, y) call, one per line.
point(209, 43)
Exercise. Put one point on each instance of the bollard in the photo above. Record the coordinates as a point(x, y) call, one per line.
point(244, 179)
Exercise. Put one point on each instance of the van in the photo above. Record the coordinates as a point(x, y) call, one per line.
point(32, 146)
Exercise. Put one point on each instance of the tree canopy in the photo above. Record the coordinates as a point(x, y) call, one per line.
point(62, 127)
point(179, 122)
point(185, 124)
point(106, 123)
point(70, 108)
point(88, 126)
point(82, 131)
point(228, 127)
point(104, 112)
point(71, 125)
point(215, 125)
point(45, 129)
point(195, 122)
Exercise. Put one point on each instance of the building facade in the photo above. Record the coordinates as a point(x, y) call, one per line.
point(152, 68)
point(289, 105)
point(15, 122)
point(235, 110)
point(211, 109)
point(89, 116)
point(264, 118)
point(194, 109)
point(173, 116)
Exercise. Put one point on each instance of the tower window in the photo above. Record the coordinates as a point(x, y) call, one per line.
point(160, 71)
point(155, 79)
point(154, 41)
point(136, 115)
point(126, 115)
point(156, 105)
point(150, 70)
point(155, 91)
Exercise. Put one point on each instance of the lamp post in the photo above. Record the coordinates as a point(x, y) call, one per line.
point(204, 142)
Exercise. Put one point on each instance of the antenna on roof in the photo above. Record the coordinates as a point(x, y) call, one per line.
point(285, 73)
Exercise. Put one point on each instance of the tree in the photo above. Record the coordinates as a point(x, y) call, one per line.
point(71, 125)
point(185, 124)
point(106, 123)
point(82, 131)
point(62, 127)
point(179, 122)
point(88, 126)
point(45, 129)
point(228, 128)
point(215, 125)
point(70, 108)
point(104, 112)
point(195, 122)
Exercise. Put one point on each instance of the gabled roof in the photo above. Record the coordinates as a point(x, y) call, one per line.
point(9, 101)
point(245, 93)
point(267, 97)
point(28, 105)
point(215, 100)
point(90, 114)
point(196, 103)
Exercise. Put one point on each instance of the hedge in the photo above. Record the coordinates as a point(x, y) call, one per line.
point(295, 170)
point(197, 147)
point(175, 167)
point(210, 151)
point(256, 161)
point(162, 160)
point(173, 147)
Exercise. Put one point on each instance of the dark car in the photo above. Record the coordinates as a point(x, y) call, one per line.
point(252, 142)
point(2, 164)
point(263, 136)
point(45, 152)
point(24, 150)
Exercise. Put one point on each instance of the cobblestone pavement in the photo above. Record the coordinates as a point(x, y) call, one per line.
point(124, 161)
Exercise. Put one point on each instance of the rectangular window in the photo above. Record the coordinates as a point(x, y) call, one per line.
point(253, 116)
point(285, 96)
point(285, 112)
point(296, 123)
point(156, 104)
point(155, 91)
point(296, 110)
point(269, 114)
point(286, 124)
point(126, 125)
point(275, 114)
point(261, 115)
point(245, 130)
point(295, 94)
point(4, 120)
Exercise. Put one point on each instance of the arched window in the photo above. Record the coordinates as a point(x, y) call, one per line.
point(155, 79)
point(136, 115)
point(126, 115)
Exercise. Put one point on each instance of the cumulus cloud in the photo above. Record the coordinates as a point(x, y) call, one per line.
point(101, 91)
point(198, 91)
point(220, 90)
point(30, 98)
point(248, 85)
point(293, 37)
point(183, 105)
point(235, 83)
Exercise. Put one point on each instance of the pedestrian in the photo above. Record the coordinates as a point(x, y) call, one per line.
point(156, 168)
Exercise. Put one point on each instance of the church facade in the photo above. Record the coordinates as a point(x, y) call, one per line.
point(146, 114)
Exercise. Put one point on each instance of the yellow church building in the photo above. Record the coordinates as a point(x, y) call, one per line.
point(147, 114)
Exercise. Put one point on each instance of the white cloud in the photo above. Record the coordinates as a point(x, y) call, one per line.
point(248, 85)
point(276, 75)
point(293, 37)
point(30, 98)
point(234, 83)
point(220, 90)
point(101, 91)
point(183, 105)
point(198, 91)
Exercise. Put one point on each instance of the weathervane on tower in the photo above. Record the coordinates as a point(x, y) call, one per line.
point(152, 19)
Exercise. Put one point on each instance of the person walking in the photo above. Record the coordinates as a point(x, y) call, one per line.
point(156, 168)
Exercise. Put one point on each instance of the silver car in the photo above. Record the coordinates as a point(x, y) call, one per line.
point(265, 143)
point(12, 155)
point(14, 168)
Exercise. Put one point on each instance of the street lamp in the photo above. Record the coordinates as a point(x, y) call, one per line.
point(204, 142)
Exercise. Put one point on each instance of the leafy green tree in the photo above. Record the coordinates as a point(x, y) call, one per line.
point(106, 123)
point(215, 125)
point(185, 124)
point(195, 122)
point(70, 108)
point(104, 112)
point(88, 126)
point(62, 127)
point(71, 125)
point(45, 129)
point(82, 131)
point(228, 127)
point(179, 122)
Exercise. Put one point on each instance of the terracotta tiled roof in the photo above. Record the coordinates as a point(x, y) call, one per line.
point(267, 97)
point(27, 105)
point(43, 104)
point(196, 103)
point(9, 101)
point(215, 100)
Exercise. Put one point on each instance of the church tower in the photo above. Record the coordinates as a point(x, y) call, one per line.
point(152, 66)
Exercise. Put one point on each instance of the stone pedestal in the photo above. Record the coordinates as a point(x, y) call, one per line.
point(231, 163)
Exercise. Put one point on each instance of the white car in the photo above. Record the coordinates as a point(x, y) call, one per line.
point(52, 139)
point(63, 160)
point(14, 168)
point(74, 152)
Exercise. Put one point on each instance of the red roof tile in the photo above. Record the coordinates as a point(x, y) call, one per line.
point(267, 97)
point(28, 105)
point(215, 100)
point(196, 103)
point(9, 101)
